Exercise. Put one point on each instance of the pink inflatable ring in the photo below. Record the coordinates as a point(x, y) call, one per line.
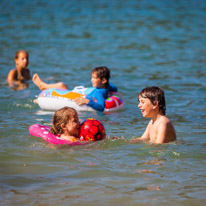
point(114, 102)
point(42, 131)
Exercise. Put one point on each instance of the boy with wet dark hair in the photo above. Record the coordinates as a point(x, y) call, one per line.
point(152, 105)
point(96, 97)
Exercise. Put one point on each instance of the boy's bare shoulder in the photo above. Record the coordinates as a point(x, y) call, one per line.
point(164, 120)
point(166, 124)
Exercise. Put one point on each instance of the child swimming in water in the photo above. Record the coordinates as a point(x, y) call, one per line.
point(66, 124)
point(152, 105)
point(17, 77)
point(96, 98)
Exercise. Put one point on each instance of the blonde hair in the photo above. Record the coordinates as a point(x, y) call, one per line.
point(61, 116)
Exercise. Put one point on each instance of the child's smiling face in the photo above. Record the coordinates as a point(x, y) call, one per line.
point(97, 82)
point(72, 127)
point(146, 107)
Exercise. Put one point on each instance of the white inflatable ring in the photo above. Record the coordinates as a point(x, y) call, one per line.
point(54, 99)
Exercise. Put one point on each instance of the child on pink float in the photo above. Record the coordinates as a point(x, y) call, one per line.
point(18, 76)
point(66, 124)
point(152, 105)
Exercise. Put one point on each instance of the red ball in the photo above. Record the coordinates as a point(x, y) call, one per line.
point(92, 130)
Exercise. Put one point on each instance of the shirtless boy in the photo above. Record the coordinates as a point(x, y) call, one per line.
point(152, 105)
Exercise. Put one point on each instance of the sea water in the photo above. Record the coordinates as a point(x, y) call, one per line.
point(144, 43)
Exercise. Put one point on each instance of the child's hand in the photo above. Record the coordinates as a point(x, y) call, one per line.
point(81, 100)
point(133, 141)
point(136, 140)
point(118, 138)
point(115, 137)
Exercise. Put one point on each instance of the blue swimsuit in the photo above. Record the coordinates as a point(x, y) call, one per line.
point(97, 96)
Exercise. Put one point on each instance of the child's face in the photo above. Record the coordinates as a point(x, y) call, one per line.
point(97, 82)
point(146, 107)
point(22, 61)
point(73, 125)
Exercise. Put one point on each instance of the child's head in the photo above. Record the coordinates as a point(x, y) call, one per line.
point(102, 73)
point(65, 121)
point(22, 59)
point(155, 95)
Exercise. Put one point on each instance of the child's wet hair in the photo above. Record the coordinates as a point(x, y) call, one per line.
point(61, 116)
point(20, 51)
point(102, 72)
point(155, 94)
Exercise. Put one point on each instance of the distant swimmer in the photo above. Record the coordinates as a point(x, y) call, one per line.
point(18, 76)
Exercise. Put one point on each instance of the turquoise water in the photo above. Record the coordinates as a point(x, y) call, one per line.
point(144, 43)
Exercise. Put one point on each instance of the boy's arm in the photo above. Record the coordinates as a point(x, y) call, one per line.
point(97, 104)
point(162, 132)
point(81, 100)
point(144, 137)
